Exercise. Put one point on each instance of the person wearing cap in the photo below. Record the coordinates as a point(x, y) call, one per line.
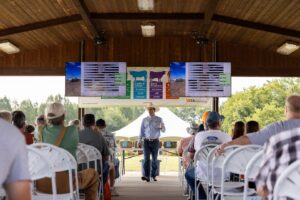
point(184, 144)
point(213, 135)
point(202, 127)
point(88, 179)
point(150, 133)
point(112, 146)
point(182, 149)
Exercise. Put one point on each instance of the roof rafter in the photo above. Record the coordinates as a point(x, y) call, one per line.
point(210, 10)
point(39, 25)
point(83, 11)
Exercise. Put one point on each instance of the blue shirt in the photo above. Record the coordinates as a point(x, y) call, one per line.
point(150, 127)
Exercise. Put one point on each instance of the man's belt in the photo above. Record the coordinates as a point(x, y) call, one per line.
point(151, 140)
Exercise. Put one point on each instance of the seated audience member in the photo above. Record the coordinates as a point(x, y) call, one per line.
point(14, 176)
point(292, 113)
point(88, 179)
point(213, 135)
point(29, 133)
point(6, 115)
point(252, 126)
point(112, 146)
point(76, 123)
point(202, 127)
point(40, 121)
point(184, 143)
point(238, 129)
point(19, 120)
point(182, 148)
point(280, 151)
point(90, 135)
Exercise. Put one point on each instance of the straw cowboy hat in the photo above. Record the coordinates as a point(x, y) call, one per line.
point(150, 105)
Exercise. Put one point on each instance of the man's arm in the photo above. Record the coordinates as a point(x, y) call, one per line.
point(163, 128)
point(142, 134)
point(243, 140)
point(18, 190)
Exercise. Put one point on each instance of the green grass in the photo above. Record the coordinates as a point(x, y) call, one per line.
point(168, 163)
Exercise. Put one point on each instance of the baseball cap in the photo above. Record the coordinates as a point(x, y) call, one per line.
point(54, 110)
point(213, 117)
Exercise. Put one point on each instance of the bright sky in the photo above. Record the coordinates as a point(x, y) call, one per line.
point(38, 88)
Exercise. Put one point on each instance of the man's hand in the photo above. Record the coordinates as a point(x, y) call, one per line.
point(220, 149)
point(263, 191)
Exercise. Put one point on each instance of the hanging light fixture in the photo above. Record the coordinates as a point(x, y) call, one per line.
point(145, 5)
point(148, 30)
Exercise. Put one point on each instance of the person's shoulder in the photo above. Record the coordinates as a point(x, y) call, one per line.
point(9, 133)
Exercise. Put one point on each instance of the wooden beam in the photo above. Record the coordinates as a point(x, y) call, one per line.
point(256, 26)
point(39, 25)
point(209, 12)
point(147, 16)
point(83, 11)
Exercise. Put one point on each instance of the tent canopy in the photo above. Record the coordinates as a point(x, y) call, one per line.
point(175, 127)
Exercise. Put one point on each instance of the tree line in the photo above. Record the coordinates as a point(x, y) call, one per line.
point(264, 104)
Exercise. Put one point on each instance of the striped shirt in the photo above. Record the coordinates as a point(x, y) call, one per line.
point(279, 152)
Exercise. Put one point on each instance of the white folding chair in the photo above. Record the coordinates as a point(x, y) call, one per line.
point(201, 157)
point(252, 170)
point(236, 162)
point(86, 154)
point(216, 172)
point(288, 183)
point(61, 160)
point(40, 167)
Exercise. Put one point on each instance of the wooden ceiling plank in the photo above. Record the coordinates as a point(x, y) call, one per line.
point(83, 11)
point(39, 25)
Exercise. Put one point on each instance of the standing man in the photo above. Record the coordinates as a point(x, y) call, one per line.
point(150, 133)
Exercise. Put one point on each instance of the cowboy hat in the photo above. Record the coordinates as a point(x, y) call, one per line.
point(150, 105)
point(193, 129)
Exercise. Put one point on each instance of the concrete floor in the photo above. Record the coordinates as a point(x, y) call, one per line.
point(131, 187)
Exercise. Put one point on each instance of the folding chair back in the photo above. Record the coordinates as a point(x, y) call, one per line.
point(236, 162)
point(200, 161)
point(252, 170)
point(40, 167)
point(64, 164)
point(288, 183)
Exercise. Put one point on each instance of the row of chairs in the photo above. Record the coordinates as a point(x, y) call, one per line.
point(235, 160)
point(241, 160)
point(45, 160)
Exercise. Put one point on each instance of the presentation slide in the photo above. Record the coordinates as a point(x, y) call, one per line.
point(95, 79)
point(200, 79)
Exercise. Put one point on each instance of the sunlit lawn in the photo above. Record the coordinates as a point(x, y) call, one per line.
point(168, 163)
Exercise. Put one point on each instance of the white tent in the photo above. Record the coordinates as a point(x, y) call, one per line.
point(175, 127)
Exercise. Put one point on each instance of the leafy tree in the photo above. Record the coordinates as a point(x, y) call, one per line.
point(30, 110)
point(264, 104)
point(5, 104)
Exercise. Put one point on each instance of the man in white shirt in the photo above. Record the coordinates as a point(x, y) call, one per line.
point(213, 135)
point(14, 176)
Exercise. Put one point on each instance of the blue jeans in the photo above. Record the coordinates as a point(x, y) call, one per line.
point(190, 179)
point(117, 163)
point(150, 147)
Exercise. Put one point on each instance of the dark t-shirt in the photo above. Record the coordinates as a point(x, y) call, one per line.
point(93, 138)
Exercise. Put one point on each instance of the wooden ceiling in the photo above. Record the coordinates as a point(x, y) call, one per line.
point(262, 24)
